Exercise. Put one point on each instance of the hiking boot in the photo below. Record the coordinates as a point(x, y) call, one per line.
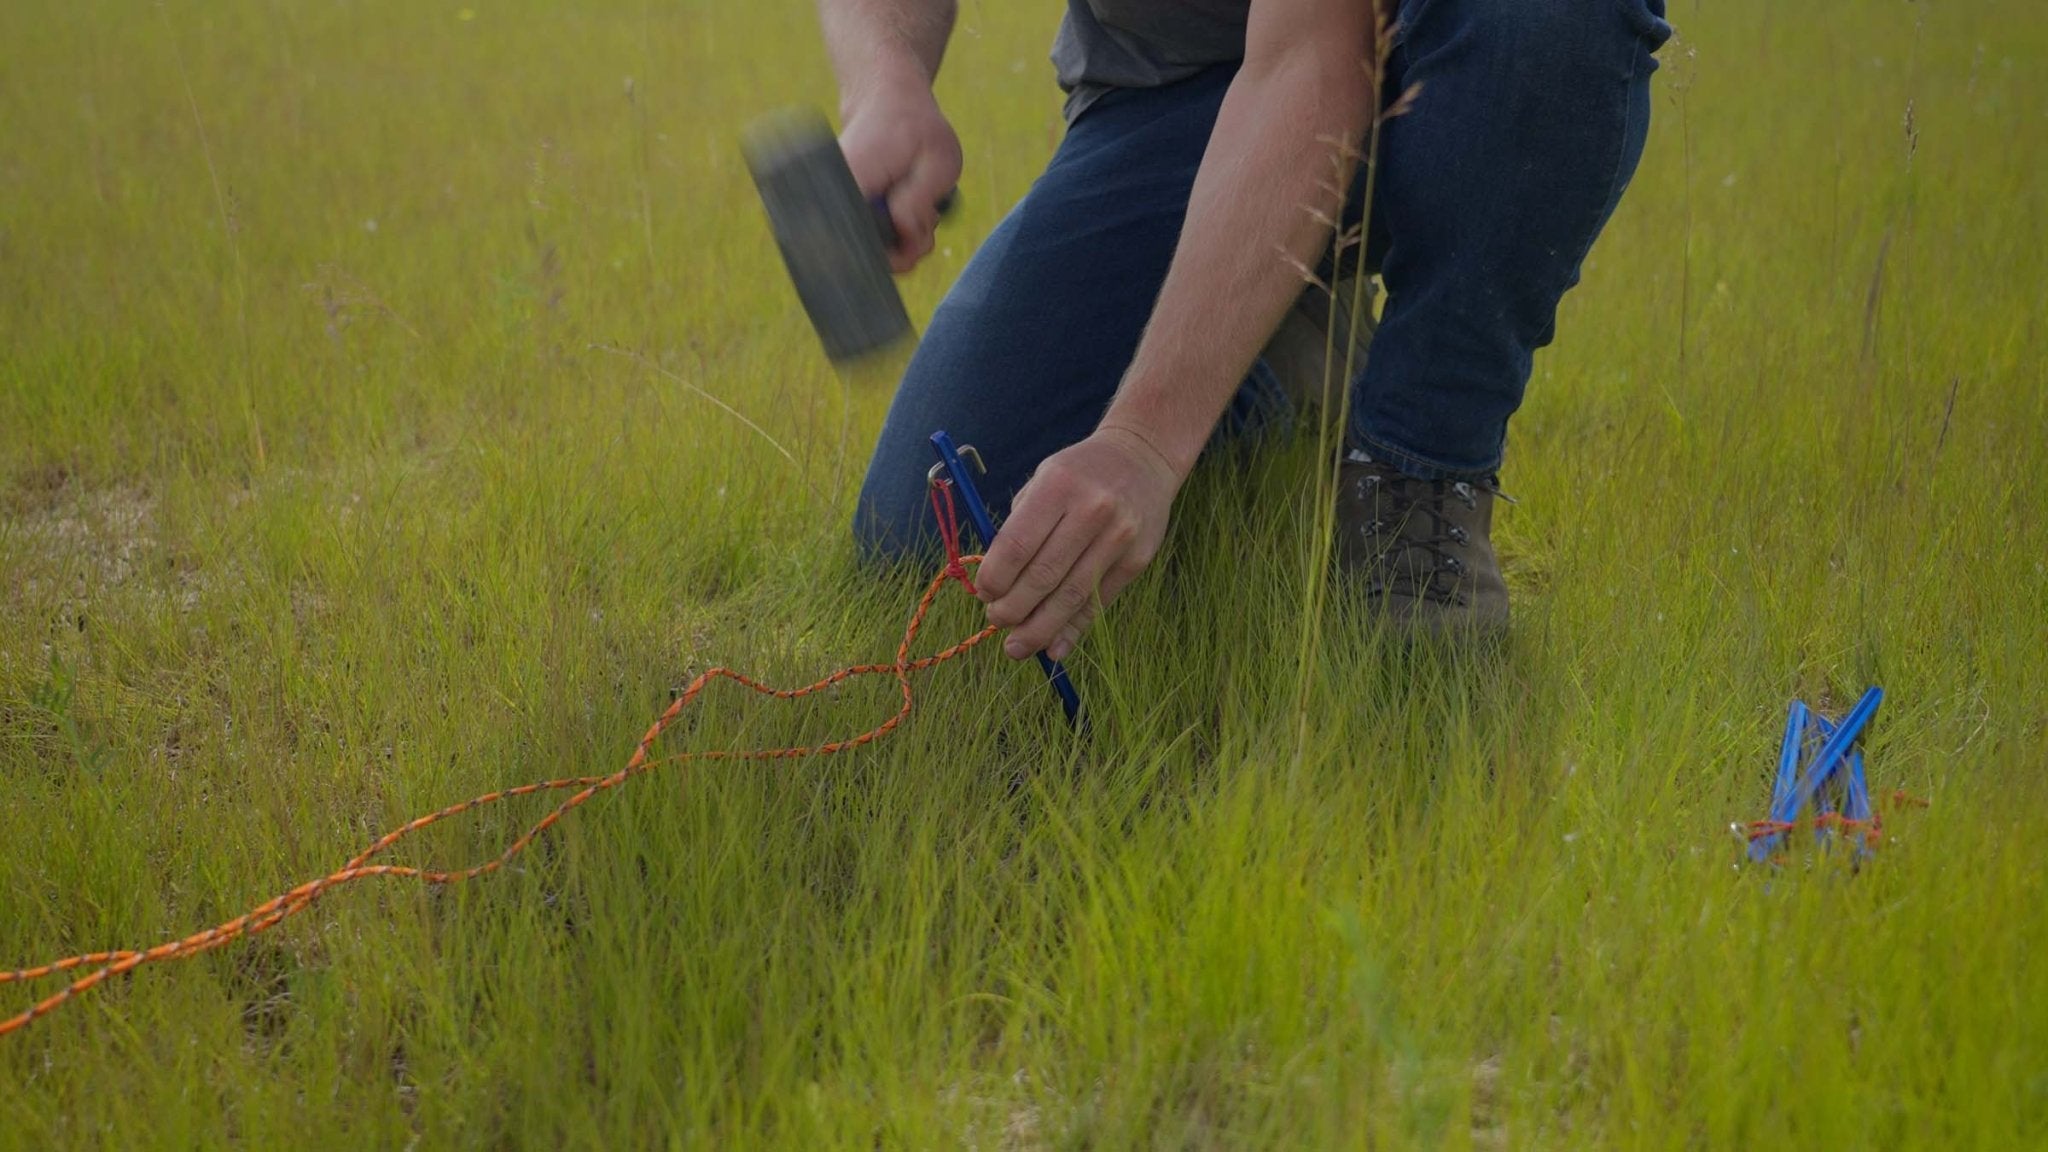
point(1421, 550)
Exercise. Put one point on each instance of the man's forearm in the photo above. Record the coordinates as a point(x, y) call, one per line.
point(1249, 231)
point(880, 42)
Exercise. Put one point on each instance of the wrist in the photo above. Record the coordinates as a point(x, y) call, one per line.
point(1148, 442)
point(897, 78)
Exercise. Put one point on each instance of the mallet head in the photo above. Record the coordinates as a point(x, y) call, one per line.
point(833, 239)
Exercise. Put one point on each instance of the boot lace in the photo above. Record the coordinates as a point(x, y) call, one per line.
point(1413, 535)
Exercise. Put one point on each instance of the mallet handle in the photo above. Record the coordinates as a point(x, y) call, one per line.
point(880, 204)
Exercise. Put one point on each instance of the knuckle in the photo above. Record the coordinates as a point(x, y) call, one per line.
point(1071, 597)
point(1041, 574)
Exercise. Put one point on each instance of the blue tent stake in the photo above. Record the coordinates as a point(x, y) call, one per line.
point(1787, 779)
point(1856, 805)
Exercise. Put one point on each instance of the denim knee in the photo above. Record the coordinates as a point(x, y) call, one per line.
point(892, 524)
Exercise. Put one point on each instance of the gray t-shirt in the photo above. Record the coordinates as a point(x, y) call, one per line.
point(1104, 44)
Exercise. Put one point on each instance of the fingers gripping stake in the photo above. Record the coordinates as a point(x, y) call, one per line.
point(959, 464)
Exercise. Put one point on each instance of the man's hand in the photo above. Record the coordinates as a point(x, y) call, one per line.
point(887, 53)
point(899, 145)
point(1088, 522)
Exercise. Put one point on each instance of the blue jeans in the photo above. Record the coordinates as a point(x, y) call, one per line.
point(1491, 190)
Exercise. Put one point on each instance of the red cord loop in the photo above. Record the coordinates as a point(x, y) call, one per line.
point(948, 516)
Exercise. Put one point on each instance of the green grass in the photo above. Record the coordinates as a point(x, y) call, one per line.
point(318, 509)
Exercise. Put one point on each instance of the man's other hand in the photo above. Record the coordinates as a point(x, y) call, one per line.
point(1085, 525)
point(900, 146)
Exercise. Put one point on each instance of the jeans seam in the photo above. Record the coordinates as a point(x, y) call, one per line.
point(1616, 181)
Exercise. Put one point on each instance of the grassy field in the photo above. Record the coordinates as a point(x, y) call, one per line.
point(358, 455)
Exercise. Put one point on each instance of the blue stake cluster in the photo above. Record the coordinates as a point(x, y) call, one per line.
point(1831, 778)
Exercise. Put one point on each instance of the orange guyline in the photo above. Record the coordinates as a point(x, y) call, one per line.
point(278, 909)
point(1872, 829)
